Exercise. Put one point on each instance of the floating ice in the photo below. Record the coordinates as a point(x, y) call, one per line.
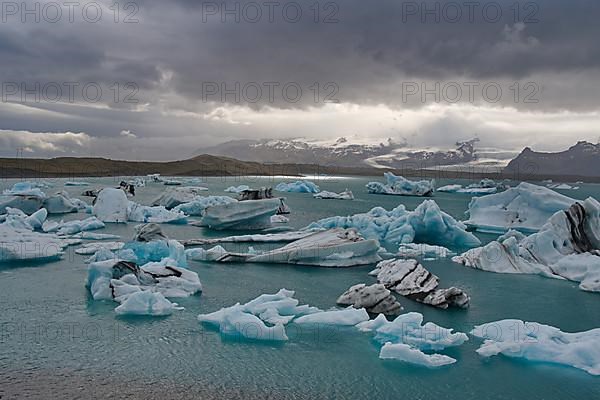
point(95, 236)
point(75, 183)
point(562, 186)
point(426, 224)
point(541, 343)
point(146, 303)
point(398, 185)
point(200, 254)
point(237, 189)
point(332, 248)
point(18, 219)
point(449, 188)
point(298, 187)
point(346, 317)
point(279, 219)
point(249, 320)
point(91, 248)
point(23, 244)
point(427, 251)
point(254, 214)
point(257, 238)
point(345, 195)
point(179, 195)
point(525, 207)
point(73, 227)
point(60, 203)
point(404, 352)
point(111, 205)
point(158, 214)
point(376, 299)
point(567, 246)
point(197, 206)
point(411, 279)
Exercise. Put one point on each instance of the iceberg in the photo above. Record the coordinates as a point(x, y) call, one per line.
point(148, 232)
point(200, 254)
point(408, 329)
point(426, 224)
point(158, 214)
point(92, 248)
point(449, 188)
point(16, 218)
point(332, 248)
point(73, 227)
point(400, 186)
point(250, 320)
point(525, 207)
point(95, 236)
point(567, 246)
point(257, 238)
point(17, 244)
point(376, 299)
point(157, 250)
point(346, 317)
point(237, 189)
point(111, 205)
point(198, 206)
point(409, 278)
point(60, 203)
point(427, 251)
point(178, 195)
point(541, 343)
point(345, 195)
point(279, 219)
point(298, 187)
point(146, 303)
point(247, 215)
point(76, 183)
point(562, 186)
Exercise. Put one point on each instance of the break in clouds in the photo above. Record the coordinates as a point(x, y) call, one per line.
point(160, 80)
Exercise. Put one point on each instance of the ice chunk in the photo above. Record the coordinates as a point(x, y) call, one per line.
point(345, 195)
point(111, 205)
point(525, 208)
point(157, 250)
point(148, 232)
point(541, 343)
point(18, 219)
point(26, 203)
point(449, 188)
point(96, 236)
point(279, 219)
point(398, 185)
point(404, 352)
point(411, 250)
point(347, 317)
point(158, 214)
point(197, 206)
point(23, 244)
point(411, 279)
point(146, 303)
point(376, 299)
point(257, 238)
point(567, 246)
point(200, 254)
point(255, 214)
point(426, 224)
point(237, 189)
point(333, 248)
point(60, 203)
point(91, 248)
point(298, 187)
point(74, 226)
point(483, 187)
point(178, 195)
point(76, 183)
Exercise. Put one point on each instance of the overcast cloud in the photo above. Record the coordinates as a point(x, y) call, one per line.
point(361, 66)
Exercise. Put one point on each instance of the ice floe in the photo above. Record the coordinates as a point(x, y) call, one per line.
point(346, 317)
point(178, 195)
point(345, 195)
point(426, 224)
point(76, 183)
point(408, 330)
point(237, 189)
point(298, 187)
point(483, 187)
point(73, 227)
point(146, 303)
point(332, 248)
point(247, 215)
point(92, 248)
point(376, 299)
point(525, 207)
point(18, 244)
point(255, 238)
point(200, 254)
point(567, 246)
point(398, 185)
point(16, 218)
point(198, 206)
point(427, 251)
point(541, 343)
point(409, 278)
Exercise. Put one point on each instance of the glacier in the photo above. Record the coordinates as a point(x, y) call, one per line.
point(426, 224)
point(398, 185)
point(298, 187)
point(566, 247)
point(331, 248)
point(525, 207)
point(541, 343)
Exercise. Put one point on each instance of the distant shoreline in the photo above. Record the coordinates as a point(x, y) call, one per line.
point(215, 166)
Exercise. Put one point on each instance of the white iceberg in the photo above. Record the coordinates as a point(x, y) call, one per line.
point(298, 187)
point(400, 186)
point(200, 254)
point(95, 236)
point(427, 251)
point(256, 238)
point(198, 206)
point(111, 205)
point(237, 189)
point(157, 214)
point(562, 186)
point(247, 215)
point(73, 227)
point(345, 195)
point(178, 195)
point(279, 219)
point(76, 183)
point(346, 317)
point(24, 196)
point(525, 207)
point(540, 343)
point(146, 303)
point(92, 248)
point(449, 188)
point(332, 248)
point(403, 352)
point(16, 218)
point(250, 320)
point(426, 224)
point(17, 244)
point(567, 246)
point(60, 203)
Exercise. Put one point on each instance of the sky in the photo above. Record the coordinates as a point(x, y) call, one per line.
point(158, 80)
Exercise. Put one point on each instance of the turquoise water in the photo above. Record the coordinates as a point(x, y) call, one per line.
point(55, 339)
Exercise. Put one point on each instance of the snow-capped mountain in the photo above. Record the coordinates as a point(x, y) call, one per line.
point(582, 159)
point(343, 152)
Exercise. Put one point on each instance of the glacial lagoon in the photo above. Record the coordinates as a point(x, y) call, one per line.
point(55, 338)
